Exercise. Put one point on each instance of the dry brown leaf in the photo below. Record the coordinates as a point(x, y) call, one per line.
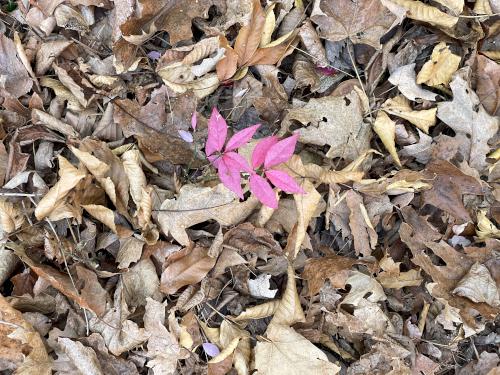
point(307, 205)
point(288, 352)
point(478, 286)
point(133, 168)
point(363, 22)
point(386, 130)
point(198, 204)
point(69, 177)
point(485, 228)
point(248, 39)
point(422, 12)
point(392, 277)
point(249, 239)
point(361, 286)
point(22, 347)
point(15, 79)
point(334, 267)
point(400, 106)
point(448, 186)
point(107, 217)
point(406, 79)
point(188, 270)
point(365, 237)
point(467, 117)
point(305, 74)
point(82, 357)
point(343, 130)
point(48, 52)
point(456, 6)
point(141, 282)
point(439, 69)
point(488, 84)
point(92, 291)
point(11, 217)
point(313, 44)
point(43, 118)
point(289, 311)
point(130, 251)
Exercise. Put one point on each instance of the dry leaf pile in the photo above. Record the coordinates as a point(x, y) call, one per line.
point(122, 253)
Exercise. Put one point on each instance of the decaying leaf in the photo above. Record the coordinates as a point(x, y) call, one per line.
point(386, 130)
point(405, 78)
point(426, 13)
point(392, 277)
point(399, 106)
point(365, 237)
point(439, 69)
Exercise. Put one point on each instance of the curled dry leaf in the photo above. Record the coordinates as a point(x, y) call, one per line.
point(15, 78)
point(334, 267)
point(22, 347)
point(361, 286)
point(133, 168)
point(365, 237)
point(69, 177)
point(11, 217)
point(188, 270)
point(392, 277)
point(82, 357)
point(488, 84)
point(478, 286)
point(400, 106)
point(426, 13)
point(196, 205)
point(439, 69)
point(107, 217)
point(386, 130)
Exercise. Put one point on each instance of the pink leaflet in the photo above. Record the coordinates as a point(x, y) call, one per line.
point(281, 151)
point(236, 161)
point(194, 120)
point(284, 182)
point(230, 178)
point(241, 137)
point(217, 133)
point(263, 191)
point(260, 150)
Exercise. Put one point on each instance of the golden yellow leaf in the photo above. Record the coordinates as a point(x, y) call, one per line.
point(269, 25)
point(400, 106)
point(439, 69)
point(386, 130)
point(132, 164)
point(421, 12)
point(482, 7)
point(485, 228)
point(226, 352)
point(201, 87)
point(107, 217)
point(69, 177)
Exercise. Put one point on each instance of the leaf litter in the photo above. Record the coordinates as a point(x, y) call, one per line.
point(236, 187)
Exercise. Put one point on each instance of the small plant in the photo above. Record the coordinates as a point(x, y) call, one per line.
point(268, 153)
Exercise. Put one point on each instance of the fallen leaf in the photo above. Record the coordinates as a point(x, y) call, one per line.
point(365, 237)
point(448, 186)
point(15, 80)
point(291, 353)
point(22, 347)
point(478, 286)
point(130, 251)
point(386, 130)
point(362, 22)
point(260, 287)
point(362, 285)
point(188, 270)
point(334, 267)
point(107, 217)
point(198, 204)
point(426, 13)
point(405, 79)
point(141, 282)
point(82, 357)
point(467, 117)
point(439, 69)
point(392, 277)
point(399, 106)
point(334, 121)
point(488, 84)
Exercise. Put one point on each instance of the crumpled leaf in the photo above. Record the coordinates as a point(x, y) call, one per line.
point(22, 347)
point(399, 106)
point(343, 130)
point(488, 84)
point(69, 177)
point(133, 168)
point(478, 286)
point(334, 267)
point(439, 69)
point(422, 12)
point(361, 285)
point(188, 270)
point(392, 277)
point(130, 251)
point(260, 287)
point(140, 283)
point(198, 204)
point(386, 130)
point(405, 79)
point(107, 217)
point(291, 353)
point(365, 237)
point(82, 357)
point(466, 116)
point(448, 186)
point(485, 228)
point(362, 21)
point(14, 79)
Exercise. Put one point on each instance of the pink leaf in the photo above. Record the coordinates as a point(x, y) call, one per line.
point(241, 137)
point(284, 182)
point(217, 132)
point(236, 161)
point(194, 120)
point(260, 150)
point(186, 136)
point(263, 191)
point(281, 151)
point(215, 160)
point(230, 178)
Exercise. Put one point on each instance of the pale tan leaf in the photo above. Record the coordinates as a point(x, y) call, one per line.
point(485, 228)
point(392, 277)
point(186, 271)
point(289, 310)
point(386, 130)
point(361, 286)
point(53, 123)
point(306, 207)
point(399, 106)
point(69, 177)
point(269, 25)
point(259, 311)
point(422, 12)
point(405, 78)
point(11, 216)
point(478, 286)
point(201, 50)
point(82, 357)
point(107, 217)
point(130, 251)
point(198, 204)
point(22, 346)
point(305, 74)
point(456, 6)
point(141, 282)
point(94, 165)
point(365, 237)
point(313, 44)
point(260, 287)
point(288, 352)
point(61, 92)
point(47, 53)
point(15, 78)
point(201, 87)
point(137, 179)
point(439, 69)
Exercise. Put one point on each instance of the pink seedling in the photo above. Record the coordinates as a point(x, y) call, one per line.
point(229, 163)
